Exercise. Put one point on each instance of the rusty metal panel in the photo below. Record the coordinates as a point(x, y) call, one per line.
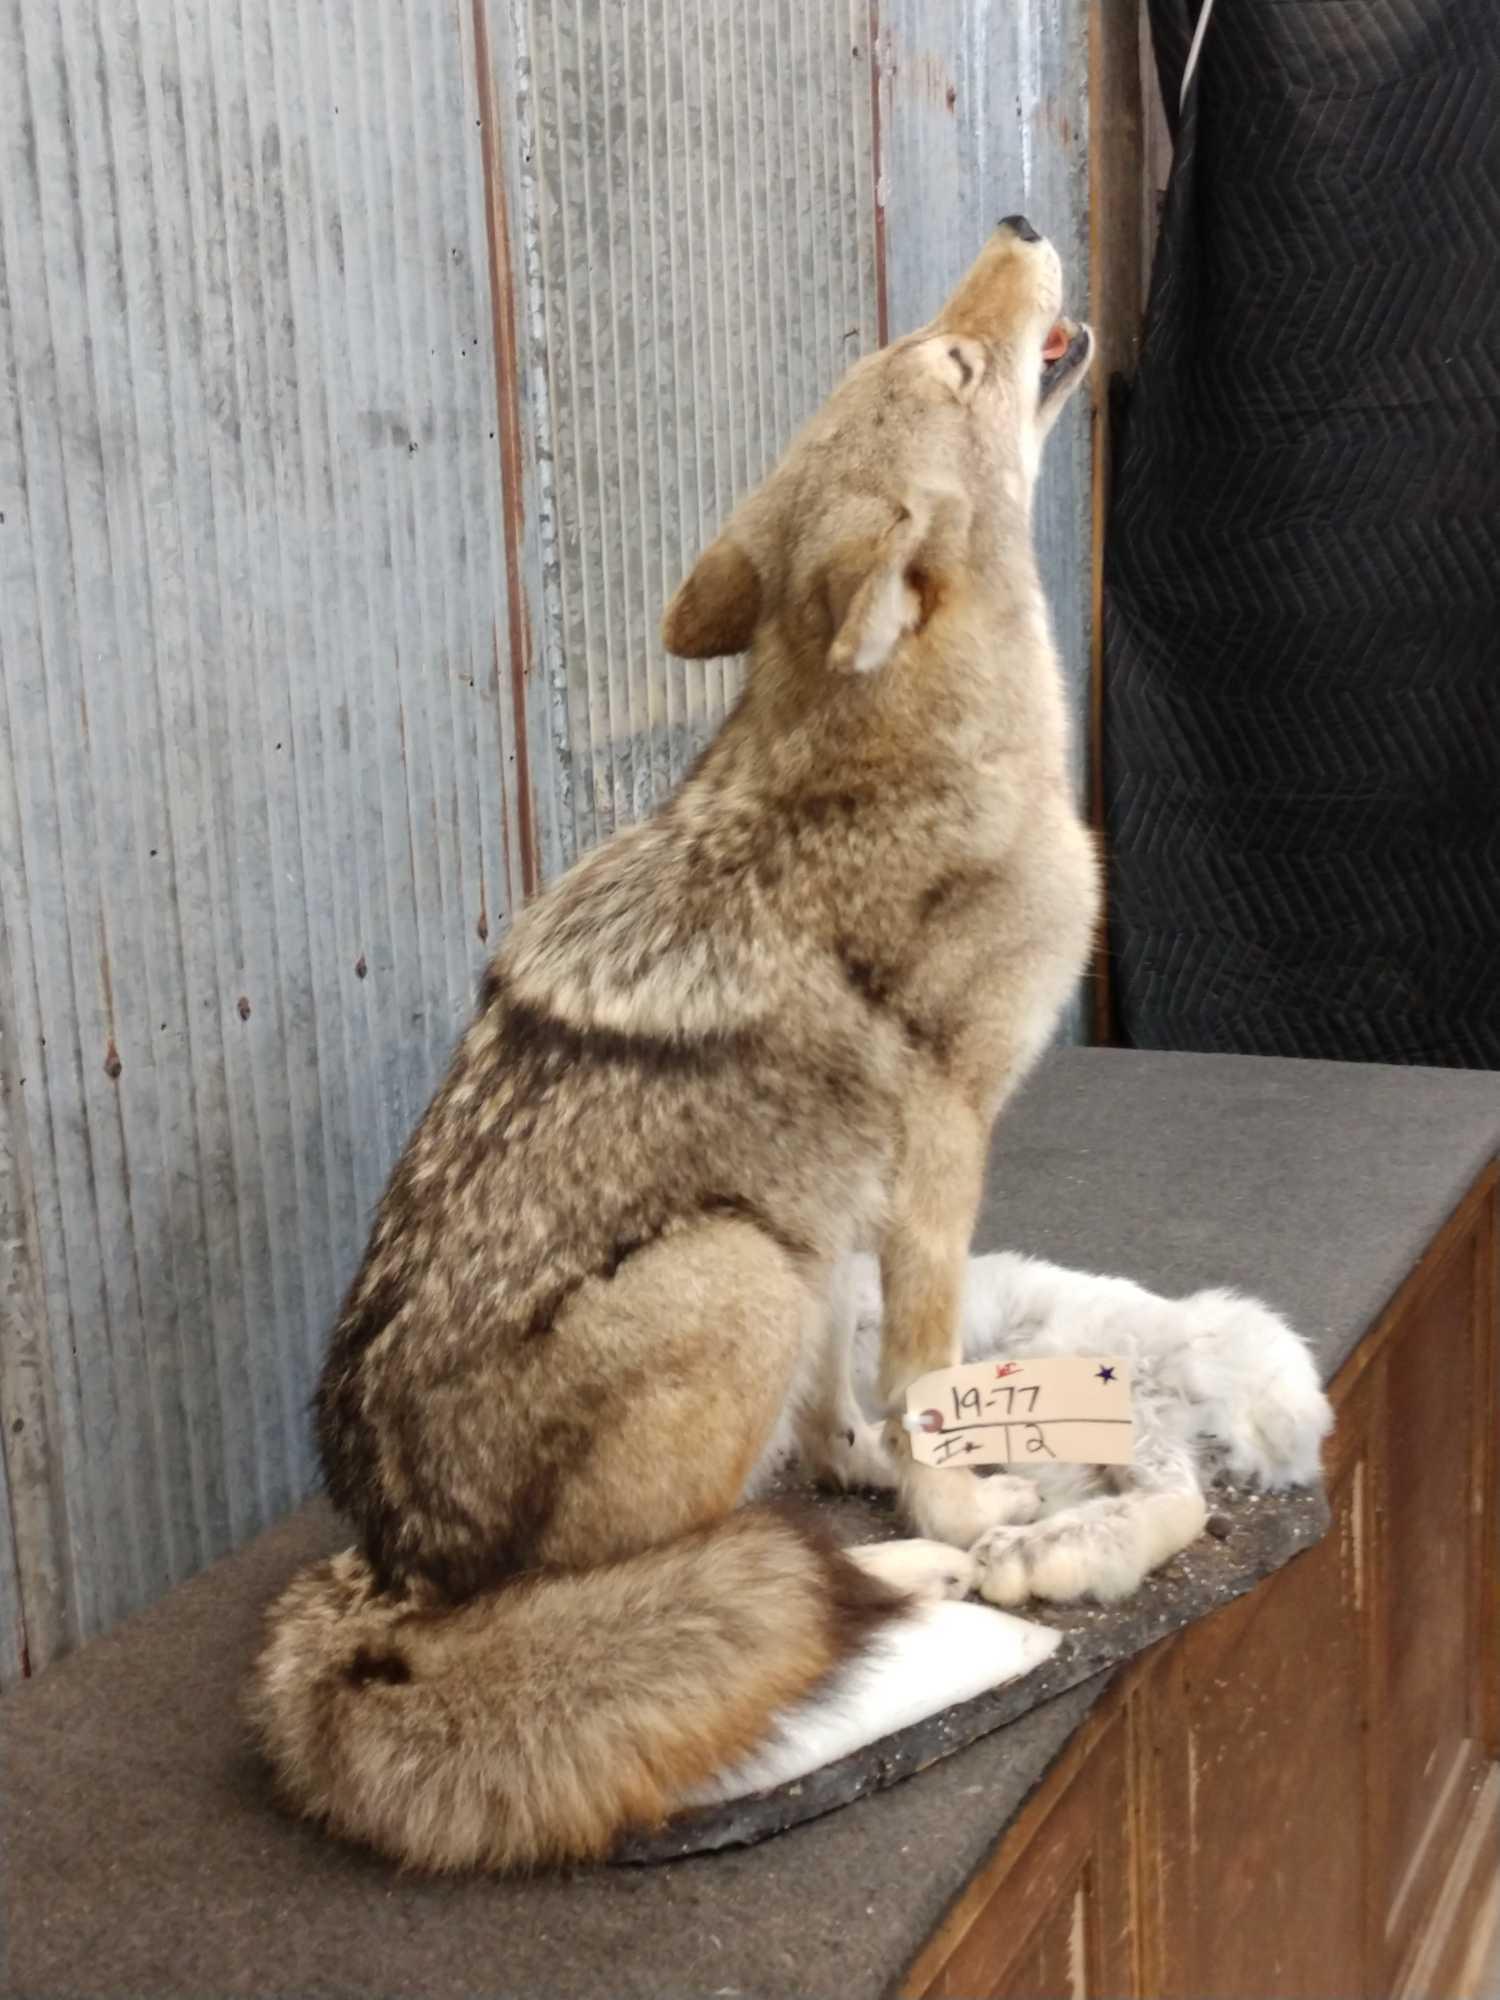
point(38, 1608)
point(12, 1630)
point(257, 804)
point(698, 257)
point(984, 113)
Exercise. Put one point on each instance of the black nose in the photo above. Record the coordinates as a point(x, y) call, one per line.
point(1021, 227)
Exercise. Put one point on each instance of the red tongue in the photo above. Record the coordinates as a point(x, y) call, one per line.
point(1056, 343)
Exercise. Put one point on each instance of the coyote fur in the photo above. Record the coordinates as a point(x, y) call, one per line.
point(731, 1045)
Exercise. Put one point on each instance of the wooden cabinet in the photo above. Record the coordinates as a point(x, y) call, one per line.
point(1255, 1732)
point(1058, 1914)
point(1298, 1796)
point(1434, 1749)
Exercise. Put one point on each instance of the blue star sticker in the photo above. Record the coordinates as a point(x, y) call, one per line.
point(1105, 1374)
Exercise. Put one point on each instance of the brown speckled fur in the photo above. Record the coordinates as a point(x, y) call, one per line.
point(772, 1022)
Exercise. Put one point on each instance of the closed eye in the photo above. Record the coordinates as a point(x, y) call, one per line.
point(952, 362)
point(961, 362)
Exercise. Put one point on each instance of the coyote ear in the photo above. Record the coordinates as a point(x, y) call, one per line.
point(890, 591)
point(717, 607)
point(883, 609)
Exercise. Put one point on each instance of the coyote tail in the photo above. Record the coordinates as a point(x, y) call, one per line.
point(539, 1721)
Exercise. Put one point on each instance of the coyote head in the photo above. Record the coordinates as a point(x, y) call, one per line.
point(910, 490)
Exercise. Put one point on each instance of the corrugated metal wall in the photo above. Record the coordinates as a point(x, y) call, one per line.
point(703, 217)
point(254, 822)
point(984, 112)
point(370, 374)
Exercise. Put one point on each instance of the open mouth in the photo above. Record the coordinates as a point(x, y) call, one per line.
point(1065, 349)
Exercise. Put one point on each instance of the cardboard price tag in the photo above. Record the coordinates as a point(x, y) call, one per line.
point(1070, 1408)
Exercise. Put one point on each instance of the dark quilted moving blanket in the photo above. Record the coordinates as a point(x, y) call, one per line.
point(1302, 665)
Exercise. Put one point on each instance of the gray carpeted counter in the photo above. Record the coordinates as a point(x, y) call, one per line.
point(143, 1854)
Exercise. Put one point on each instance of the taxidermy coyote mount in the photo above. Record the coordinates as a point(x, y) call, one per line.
point(733, 1044)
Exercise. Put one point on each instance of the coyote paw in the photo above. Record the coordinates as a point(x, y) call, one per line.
point(856, 1456)
point(1103, 1550)
point(1018, 1563)
point(958, 1507)
point(928, 1571)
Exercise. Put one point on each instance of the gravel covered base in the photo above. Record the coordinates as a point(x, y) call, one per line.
point(1249, 1535)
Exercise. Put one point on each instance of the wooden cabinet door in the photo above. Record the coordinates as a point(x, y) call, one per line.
point(1297, 1796)
point(1430, 1755)
point(1253, 1821)
point(1057, 1923)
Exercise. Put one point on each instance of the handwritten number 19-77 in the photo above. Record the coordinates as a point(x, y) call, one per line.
point(966, 1402)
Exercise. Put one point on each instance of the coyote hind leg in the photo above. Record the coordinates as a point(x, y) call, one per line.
point(837, 1443)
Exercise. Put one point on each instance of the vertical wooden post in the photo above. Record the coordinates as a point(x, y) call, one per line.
point(526, 870)
point(1119, 257)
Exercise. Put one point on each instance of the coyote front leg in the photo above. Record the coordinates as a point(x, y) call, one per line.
point(923, 1260)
